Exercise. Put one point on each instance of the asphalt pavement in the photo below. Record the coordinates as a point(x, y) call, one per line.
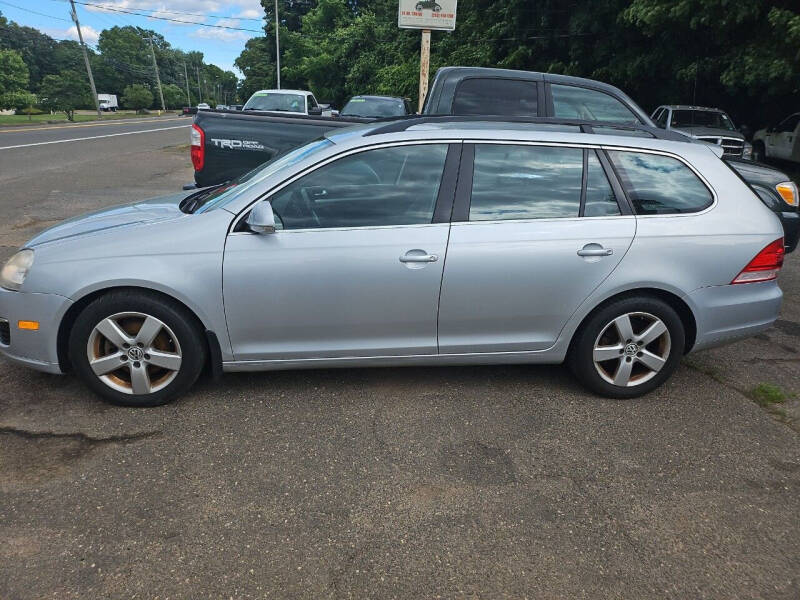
point(479, 482)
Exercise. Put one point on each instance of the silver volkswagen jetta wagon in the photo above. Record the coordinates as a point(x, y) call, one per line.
point(420, 243)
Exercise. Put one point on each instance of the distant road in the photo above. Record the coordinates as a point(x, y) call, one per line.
point(27, 152)
point(20, 137)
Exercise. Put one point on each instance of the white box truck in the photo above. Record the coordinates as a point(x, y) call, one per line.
point(108, 102)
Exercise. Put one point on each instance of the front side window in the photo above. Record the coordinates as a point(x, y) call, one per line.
point(570, 102)
point(386, 186)
point(660, 185)
point(496, 97)
point(789, 124)
point(526, 182)
point(661, 121)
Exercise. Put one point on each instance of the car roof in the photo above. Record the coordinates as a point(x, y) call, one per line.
point(376, 97)
point(509, 131)
point(285, 91)
point(689, 107)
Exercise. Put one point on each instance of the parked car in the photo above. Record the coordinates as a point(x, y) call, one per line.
point(781, 141)
point(203, 106)
point(108, 102)
point(236, 106)
point(377, 107)
point(221, 107)
point(710, 125)
point(616, 253)
point(225, 146)
point(189, 110)
point(298, 102)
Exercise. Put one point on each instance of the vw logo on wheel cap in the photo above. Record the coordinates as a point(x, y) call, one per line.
point(135, 353)
point(631, 350)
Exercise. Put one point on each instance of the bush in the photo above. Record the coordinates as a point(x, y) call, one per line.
point(137, 97)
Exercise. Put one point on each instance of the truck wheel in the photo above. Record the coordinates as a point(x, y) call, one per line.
point(136, 349)
point(759, 152)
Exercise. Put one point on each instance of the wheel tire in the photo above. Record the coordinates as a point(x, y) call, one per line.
point(759, 153)
point(641, 308)
point(175, 322)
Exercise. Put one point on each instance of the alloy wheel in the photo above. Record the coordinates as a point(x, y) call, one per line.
point(632, 349)
point(134, 353)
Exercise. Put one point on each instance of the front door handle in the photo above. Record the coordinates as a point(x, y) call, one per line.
point(595, 250)
point(413, 257)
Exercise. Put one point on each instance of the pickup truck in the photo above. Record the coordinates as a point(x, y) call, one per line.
point(232, 144)
point(226, 144)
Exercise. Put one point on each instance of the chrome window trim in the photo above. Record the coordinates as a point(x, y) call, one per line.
point(577, 145)
point(323, 163)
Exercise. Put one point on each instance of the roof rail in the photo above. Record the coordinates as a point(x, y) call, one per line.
point(398, 124)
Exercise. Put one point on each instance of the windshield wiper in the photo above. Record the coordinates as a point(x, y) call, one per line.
point(191, 203)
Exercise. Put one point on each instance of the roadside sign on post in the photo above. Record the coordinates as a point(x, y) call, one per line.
point(426, 15)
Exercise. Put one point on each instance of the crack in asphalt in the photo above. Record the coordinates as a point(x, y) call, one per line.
point(80, 436)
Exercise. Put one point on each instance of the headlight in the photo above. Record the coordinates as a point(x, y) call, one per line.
point(747, 152)
point(16, 269)
point(788, 191)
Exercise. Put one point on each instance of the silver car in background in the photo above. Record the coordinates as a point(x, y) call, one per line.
point(424, 242)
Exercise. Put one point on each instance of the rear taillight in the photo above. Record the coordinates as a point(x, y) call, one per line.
point(198, 148)
point(765, 266)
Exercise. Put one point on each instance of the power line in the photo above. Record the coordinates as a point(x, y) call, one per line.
point(34, 12)
point(178, 12)
point(140, 14)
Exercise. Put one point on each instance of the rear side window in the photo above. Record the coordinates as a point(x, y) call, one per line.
point(660, 185)
point(496, 97)
point(526, 182)
point(571, 102)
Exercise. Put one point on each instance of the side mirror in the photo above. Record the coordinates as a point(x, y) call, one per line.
point(261, 219)
point(315, 111)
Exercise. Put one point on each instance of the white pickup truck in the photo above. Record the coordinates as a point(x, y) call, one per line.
point(298, 102)
point(780, 141)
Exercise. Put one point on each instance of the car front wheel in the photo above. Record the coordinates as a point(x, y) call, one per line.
point(628, 348)
point(136, 349)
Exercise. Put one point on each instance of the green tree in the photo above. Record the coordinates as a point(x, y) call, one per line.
point(13, 72)
point(137, 96)
point(174, 96)
point(65, 92)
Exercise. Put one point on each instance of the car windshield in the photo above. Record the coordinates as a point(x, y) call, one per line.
point(702, 118)
point(276, 101)
point(223, 194)
point(374, 107)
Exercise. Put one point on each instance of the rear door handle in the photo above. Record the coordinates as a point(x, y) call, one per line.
point(418, 258)
point(593, 250)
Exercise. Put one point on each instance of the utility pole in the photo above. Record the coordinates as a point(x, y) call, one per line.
point(199, 89)
point(86, 59)
point(158, 79)
point(278, 43)
point(186, 77)
point(424, 66)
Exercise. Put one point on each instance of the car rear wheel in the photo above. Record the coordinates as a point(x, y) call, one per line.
point(628, 348)
point(136, 349)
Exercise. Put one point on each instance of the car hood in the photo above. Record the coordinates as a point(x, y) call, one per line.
point(709, 132)
point(147, 211)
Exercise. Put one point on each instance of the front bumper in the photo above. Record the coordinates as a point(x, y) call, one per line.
point(727, 313)
point(791, 229)
point(36, 349)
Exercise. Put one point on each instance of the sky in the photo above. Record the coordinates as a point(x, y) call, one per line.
point(219, 46)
